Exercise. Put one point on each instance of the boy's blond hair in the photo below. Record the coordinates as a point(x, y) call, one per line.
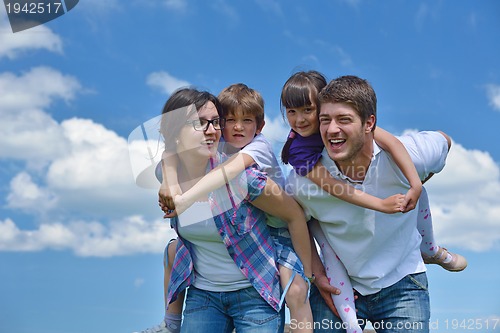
point(239, 97)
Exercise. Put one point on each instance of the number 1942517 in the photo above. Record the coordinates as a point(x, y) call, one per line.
point(34, 7)
point(472, 324)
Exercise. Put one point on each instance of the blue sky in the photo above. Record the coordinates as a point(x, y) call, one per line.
point(81, 245)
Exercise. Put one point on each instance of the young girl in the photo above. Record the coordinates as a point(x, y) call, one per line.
point(303, 151)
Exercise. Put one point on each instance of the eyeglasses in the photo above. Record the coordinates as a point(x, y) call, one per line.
point(202, 124)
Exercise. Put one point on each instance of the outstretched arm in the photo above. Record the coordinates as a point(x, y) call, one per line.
point(320, 176)
point(400, 155)
point(276, 202)
point(213, 180)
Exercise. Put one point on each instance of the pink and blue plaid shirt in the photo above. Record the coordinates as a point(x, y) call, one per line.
point(244, 231)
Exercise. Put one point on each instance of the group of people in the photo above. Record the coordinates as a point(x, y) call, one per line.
point(248, 237)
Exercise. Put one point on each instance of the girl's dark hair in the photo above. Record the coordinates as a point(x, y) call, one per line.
point(301, 89)
point(173, 122)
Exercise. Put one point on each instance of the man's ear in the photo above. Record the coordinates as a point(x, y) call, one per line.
point(260, 127)
point(370, 124)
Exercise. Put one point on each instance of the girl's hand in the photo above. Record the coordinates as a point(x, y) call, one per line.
point(411, 198)
point(393, 204)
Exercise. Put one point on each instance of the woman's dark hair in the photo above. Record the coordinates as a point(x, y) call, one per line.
point(301, 89)
point(172, 122)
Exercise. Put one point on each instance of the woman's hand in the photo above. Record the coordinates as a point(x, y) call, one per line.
point(167, 205)
point(173, 206)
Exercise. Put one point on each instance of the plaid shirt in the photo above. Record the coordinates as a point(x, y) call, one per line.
point(245, 234)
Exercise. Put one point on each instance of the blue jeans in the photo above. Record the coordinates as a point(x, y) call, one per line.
point(402, 307)
point(243, 310)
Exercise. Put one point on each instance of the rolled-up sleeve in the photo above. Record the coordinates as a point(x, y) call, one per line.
point(251, 183)
point(428, 150)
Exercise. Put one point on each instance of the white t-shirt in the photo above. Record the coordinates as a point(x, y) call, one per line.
point(262, 153)
point(377, 249)
point(214, 268)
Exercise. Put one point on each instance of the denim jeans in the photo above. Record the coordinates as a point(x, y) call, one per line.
point(402, 307)
point(221, 312)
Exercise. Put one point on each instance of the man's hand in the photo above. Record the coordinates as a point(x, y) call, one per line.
point(326, 290)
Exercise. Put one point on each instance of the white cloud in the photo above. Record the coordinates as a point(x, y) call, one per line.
point(30, 135)
point(35, 89)
point(95, 176)
point(40, 37)
point(98, 158)
point(493, 92)
point(27, 131)
point(130, 235)
point(75, 166)
point(28, 196)
point(165, 82)
point(276, 130)
point(465, 200)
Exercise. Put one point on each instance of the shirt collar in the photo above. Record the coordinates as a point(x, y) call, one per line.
point(335, 171)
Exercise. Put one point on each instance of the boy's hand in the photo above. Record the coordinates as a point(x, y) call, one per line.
point(181, 204)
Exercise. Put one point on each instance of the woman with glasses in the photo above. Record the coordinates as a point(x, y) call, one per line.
point(225, 253)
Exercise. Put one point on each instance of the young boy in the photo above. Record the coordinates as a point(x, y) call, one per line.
point(244, 120)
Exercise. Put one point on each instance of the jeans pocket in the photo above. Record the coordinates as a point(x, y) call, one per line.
point(419, 279)
point(254, 309)
point(196, 300)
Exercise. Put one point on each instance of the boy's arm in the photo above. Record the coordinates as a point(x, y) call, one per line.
point(216, 178)
point(389, 143)
point(276, 202)
point(169, 187)
point(321, 177)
